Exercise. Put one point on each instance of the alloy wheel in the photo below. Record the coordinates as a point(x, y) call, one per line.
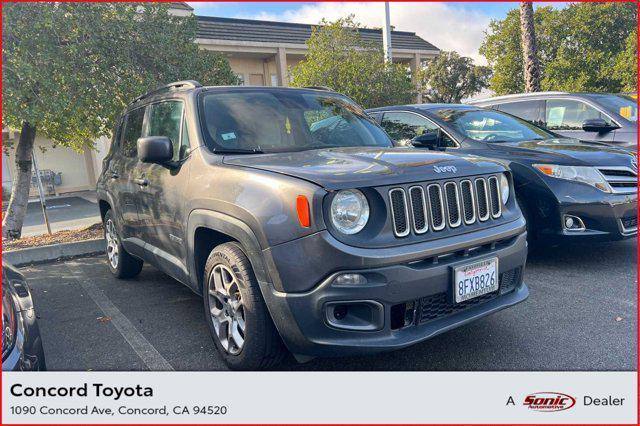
point(112, 243)
point(226, 308)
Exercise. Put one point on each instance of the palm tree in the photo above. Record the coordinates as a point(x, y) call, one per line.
point(529, 54)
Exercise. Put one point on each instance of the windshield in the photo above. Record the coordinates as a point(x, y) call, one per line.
point(284, 120)
point(491, 126)
point(624, 106)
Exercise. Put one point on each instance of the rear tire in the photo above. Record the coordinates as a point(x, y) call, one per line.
point(238, 319)
point(121, 263)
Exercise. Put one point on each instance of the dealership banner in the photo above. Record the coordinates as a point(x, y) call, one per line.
point(305, 397)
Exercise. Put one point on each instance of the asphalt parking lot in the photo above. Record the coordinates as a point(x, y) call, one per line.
point(581, 315)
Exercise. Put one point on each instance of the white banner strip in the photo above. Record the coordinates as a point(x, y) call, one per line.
point(326, 397)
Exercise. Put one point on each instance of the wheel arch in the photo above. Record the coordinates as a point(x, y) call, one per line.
point(207, 229)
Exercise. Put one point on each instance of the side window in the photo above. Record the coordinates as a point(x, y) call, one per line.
point(403, 127)
point(132, 131)
point(165, 119)
point(376, 116)
point(567, 114)
point(527, 110)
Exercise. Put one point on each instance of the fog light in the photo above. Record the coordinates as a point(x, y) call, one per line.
point(573, 223)
point(350, 279)
point(339, 312)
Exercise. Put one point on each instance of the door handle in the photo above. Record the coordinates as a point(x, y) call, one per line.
point(141, 181)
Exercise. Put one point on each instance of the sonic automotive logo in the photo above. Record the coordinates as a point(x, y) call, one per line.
point(549, 401)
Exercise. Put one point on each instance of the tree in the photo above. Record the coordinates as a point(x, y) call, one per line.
point(626, 64)
point(529, 53)
point(578, 48)
point(449, 78)
point(338, 57)
point(69, 69)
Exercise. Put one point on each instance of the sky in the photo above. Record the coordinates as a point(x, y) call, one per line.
point(455, 26)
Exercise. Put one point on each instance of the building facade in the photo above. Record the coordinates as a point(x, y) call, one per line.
point(259, 52)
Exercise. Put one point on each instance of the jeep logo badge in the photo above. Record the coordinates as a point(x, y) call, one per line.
point(445, 169)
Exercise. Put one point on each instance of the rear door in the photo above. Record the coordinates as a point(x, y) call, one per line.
point(121, 174)
point(160, 196)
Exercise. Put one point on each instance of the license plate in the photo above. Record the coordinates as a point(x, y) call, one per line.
point(475, 279)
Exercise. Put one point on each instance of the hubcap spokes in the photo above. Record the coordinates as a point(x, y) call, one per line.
point(227, 310)
point(112, 243)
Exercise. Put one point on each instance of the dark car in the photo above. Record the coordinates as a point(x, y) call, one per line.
point(21, 342)
point(601, 117)
point(567, 189)
point(295, 217)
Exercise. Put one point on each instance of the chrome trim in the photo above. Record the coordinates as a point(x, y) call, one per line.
point(444, 212)
point(487, 203)
point(473, 201)
point(621, 179)
point(457, 200)
point(582, 227)
point(627, 231)
point(424, 211)
point(495, 215)
point(406, 213)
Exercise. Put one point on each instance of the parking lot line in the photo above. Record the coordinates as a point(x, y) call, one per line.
point(145, 350)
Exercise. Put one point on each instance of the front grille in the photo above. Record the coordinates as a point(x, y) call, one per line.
point(438, 305)
point(494, 192)
point(453, 204)
point(399, 212)
point(418, 209)
point(437, 206)
point(623, 180)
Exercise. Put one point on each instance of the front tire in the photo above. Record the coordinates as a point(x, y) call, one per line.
point(121, 263)
point(236, 313)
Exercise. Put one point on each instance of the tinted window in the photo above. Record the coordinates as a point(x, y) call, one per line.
point(132, 131)
point(165, 119)
point(528, 110)
point(491, 126)
point(624, 106)
point(567, 114)
point(272, 121)
point(404, 126)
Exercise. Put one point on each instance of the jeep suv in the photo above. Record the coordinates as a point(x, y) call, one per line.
point(291, 212)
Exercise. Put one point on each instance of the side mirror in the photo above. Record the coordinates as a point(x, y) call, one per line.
point(598, 125)
point(155, 149)
point(431, 140)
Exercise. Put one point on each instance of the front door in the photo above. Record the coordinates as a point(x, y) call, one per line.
point(565, 116)
point(161, 190)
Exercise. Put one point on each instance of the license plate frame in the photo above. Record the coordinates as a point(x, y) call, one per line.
point(465, 270)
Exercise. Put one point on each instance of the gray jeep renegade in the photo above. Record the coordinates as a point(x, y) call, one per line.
point(302, 226)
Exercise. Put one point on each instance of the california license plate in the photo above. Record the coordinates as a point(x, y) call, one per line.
point(475, 279)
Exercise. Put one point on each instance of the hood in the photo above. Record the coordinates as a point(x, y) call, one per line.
point(567, 151)
point(339, 168)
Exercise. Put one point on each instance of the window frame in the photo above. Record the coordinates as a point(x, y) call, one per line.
point(183, 118)
point(455, 141)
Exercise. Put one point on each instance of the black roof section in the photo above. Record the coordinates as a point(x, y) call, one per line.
point(211, 27)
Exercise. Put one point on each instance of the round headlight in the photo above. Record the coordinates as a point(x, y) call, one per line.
point(349, 211)
point(504, 188)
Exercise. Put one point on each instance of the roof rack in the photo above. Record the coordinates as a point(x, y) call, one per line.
point(319, 88)
point(191, 84)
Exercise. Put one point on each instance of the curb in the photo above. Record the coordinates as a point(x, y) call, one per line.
point(54, 252)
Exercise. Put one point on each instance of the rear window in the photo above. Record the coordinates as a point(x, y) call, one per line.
point(132, 131)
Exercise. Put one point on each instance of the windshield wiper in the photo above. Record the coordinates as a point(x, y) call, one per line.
point(238, 151)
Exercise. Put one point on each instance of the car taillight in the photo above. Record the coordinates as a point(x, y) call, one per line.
point(8, 323)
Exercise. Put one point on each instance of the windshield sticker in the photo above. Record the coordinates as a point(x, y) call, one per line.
point(228, 136)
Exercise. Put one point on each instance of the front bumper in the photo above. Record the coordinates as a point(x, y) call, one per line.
point(613, 217)
point(27, 353)
point(420, 274)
